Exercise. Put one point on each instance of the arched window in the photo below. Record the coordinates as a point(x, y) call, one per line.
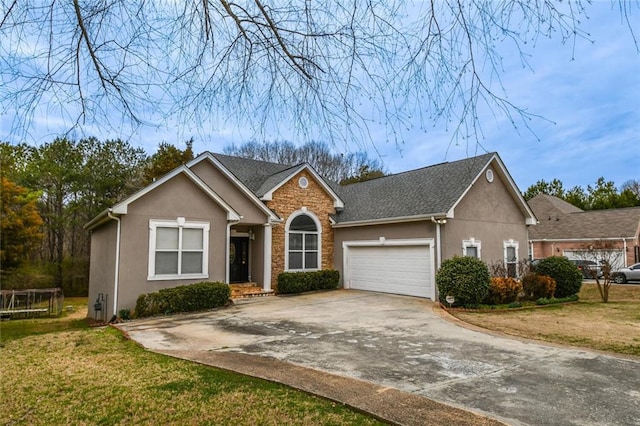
point(303, 243)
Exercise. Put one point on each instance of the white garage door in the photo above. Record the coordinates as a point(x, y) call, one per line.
point(614, 256)
point(398, 269)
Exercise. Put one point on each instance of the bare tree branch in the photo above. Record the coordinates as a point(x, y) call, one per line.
point(325, 69)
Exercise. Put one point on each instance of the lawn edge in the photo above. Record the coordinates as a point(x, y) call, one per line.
point(448, 316)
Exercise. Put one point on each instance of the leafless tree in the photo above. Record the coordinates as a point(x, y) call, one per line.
point(332, 166)
point(323, 69)
point(605, 258)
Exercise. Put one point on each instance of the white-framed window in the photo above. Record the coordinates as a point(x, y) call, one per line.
point(472, 248)
point(303, 242)
point(511, 257)
point(178, 249)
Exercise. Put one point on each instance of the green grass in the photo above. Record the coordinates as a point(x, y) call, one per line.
point(60, 371)
point(587, 323)
point(68, 320)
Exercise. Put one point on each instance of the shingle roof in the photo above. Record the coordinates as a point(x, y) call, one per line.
point(429, 190)
point(544, 205)
point(578, 224)
point(258, 176)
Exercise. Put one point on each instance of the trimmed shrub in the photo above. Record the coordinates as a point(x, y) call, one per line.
point(185, 298)
point(503, 290)
point(536, 286)
point(566, 274)
point(300, 282)
point(465, 278)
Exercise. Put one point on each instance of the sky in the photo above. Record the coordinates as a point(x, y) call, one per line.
point(588, 95)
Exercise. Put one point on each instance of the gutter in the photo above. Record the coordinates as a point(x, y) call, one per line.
point(536, 240)
point(103, 217)
point(397, 219)
point(117, 266)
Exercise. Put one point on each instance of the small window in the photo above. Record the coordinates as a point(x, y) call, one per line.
point(178, 250)
point(511, 258)
point(303, 237)
point(471, 248)
point(303, 182)
point(489, 175)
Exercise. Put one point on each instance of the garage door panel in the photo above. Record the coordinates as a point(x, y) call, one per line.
point(390, 269)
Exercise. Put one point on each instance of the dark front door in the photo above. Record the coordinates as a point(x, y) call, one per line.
point(239, 260)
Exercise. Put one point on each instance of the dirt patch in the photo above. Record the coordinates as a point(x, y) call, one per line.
point(613, 326)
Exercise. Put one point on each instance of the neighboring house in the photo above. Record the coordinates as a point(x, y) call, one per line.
point(566, 230)
point(222, 218)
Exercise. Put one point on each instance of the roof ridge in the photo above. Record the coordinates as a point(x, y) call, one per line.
point(216, 154)
point(421, 168)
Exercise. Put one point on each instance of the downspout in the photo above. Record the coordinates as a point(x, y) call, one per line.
point(228, 267)
point(117, 267)
point(438, 242)
point(533, 254)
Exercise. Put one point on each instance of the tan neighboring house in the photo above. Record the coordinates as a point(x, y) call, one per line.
point(230, 219)
point(566, 230)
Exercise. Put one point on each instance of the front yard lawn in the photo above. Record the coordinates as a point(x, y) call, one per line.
point(588, 323)
point(95, 376)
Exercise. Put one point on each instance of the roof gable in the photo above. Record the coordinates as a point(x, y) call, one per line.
point(276, 181)
point(233, 167)
point(501, 170)
point(263, 178)
point(121, 208)
point(429, 191)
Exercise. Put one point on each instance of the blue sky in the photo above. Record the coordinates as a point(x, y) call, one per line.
point(593, 101)
point(589, 95)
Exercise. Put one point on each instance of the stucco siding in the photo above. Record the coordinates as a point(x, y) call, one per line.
point(229, 192)
point(102, 268)
point(489, 214)
point(178, 197)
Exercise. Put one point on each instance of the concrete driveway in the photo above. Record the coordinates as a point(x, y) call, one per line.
point(399, 342)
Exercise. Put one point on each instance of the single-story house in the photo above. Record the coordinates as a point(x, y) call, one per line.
point(566, 230)
point(230, 219)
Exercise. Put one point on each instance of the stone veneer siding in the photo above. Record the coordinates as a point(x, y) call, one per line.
point(290, 198)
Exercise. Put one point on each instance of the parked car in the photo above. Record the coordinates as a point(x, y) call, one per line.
point(589, 268)
point(630, 273)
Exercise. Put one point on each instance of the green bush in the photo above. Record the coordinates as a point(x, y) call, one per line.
point(566, 274)
point(503, 290)
point(186, 298)
point(299, 282)
point(465, 278)
point(536, 286)
point(124, 314)
point(552, 301)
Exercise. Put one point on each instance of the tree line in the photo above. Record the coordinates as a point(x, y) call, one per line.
point(603, 195)
point(49, 192)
